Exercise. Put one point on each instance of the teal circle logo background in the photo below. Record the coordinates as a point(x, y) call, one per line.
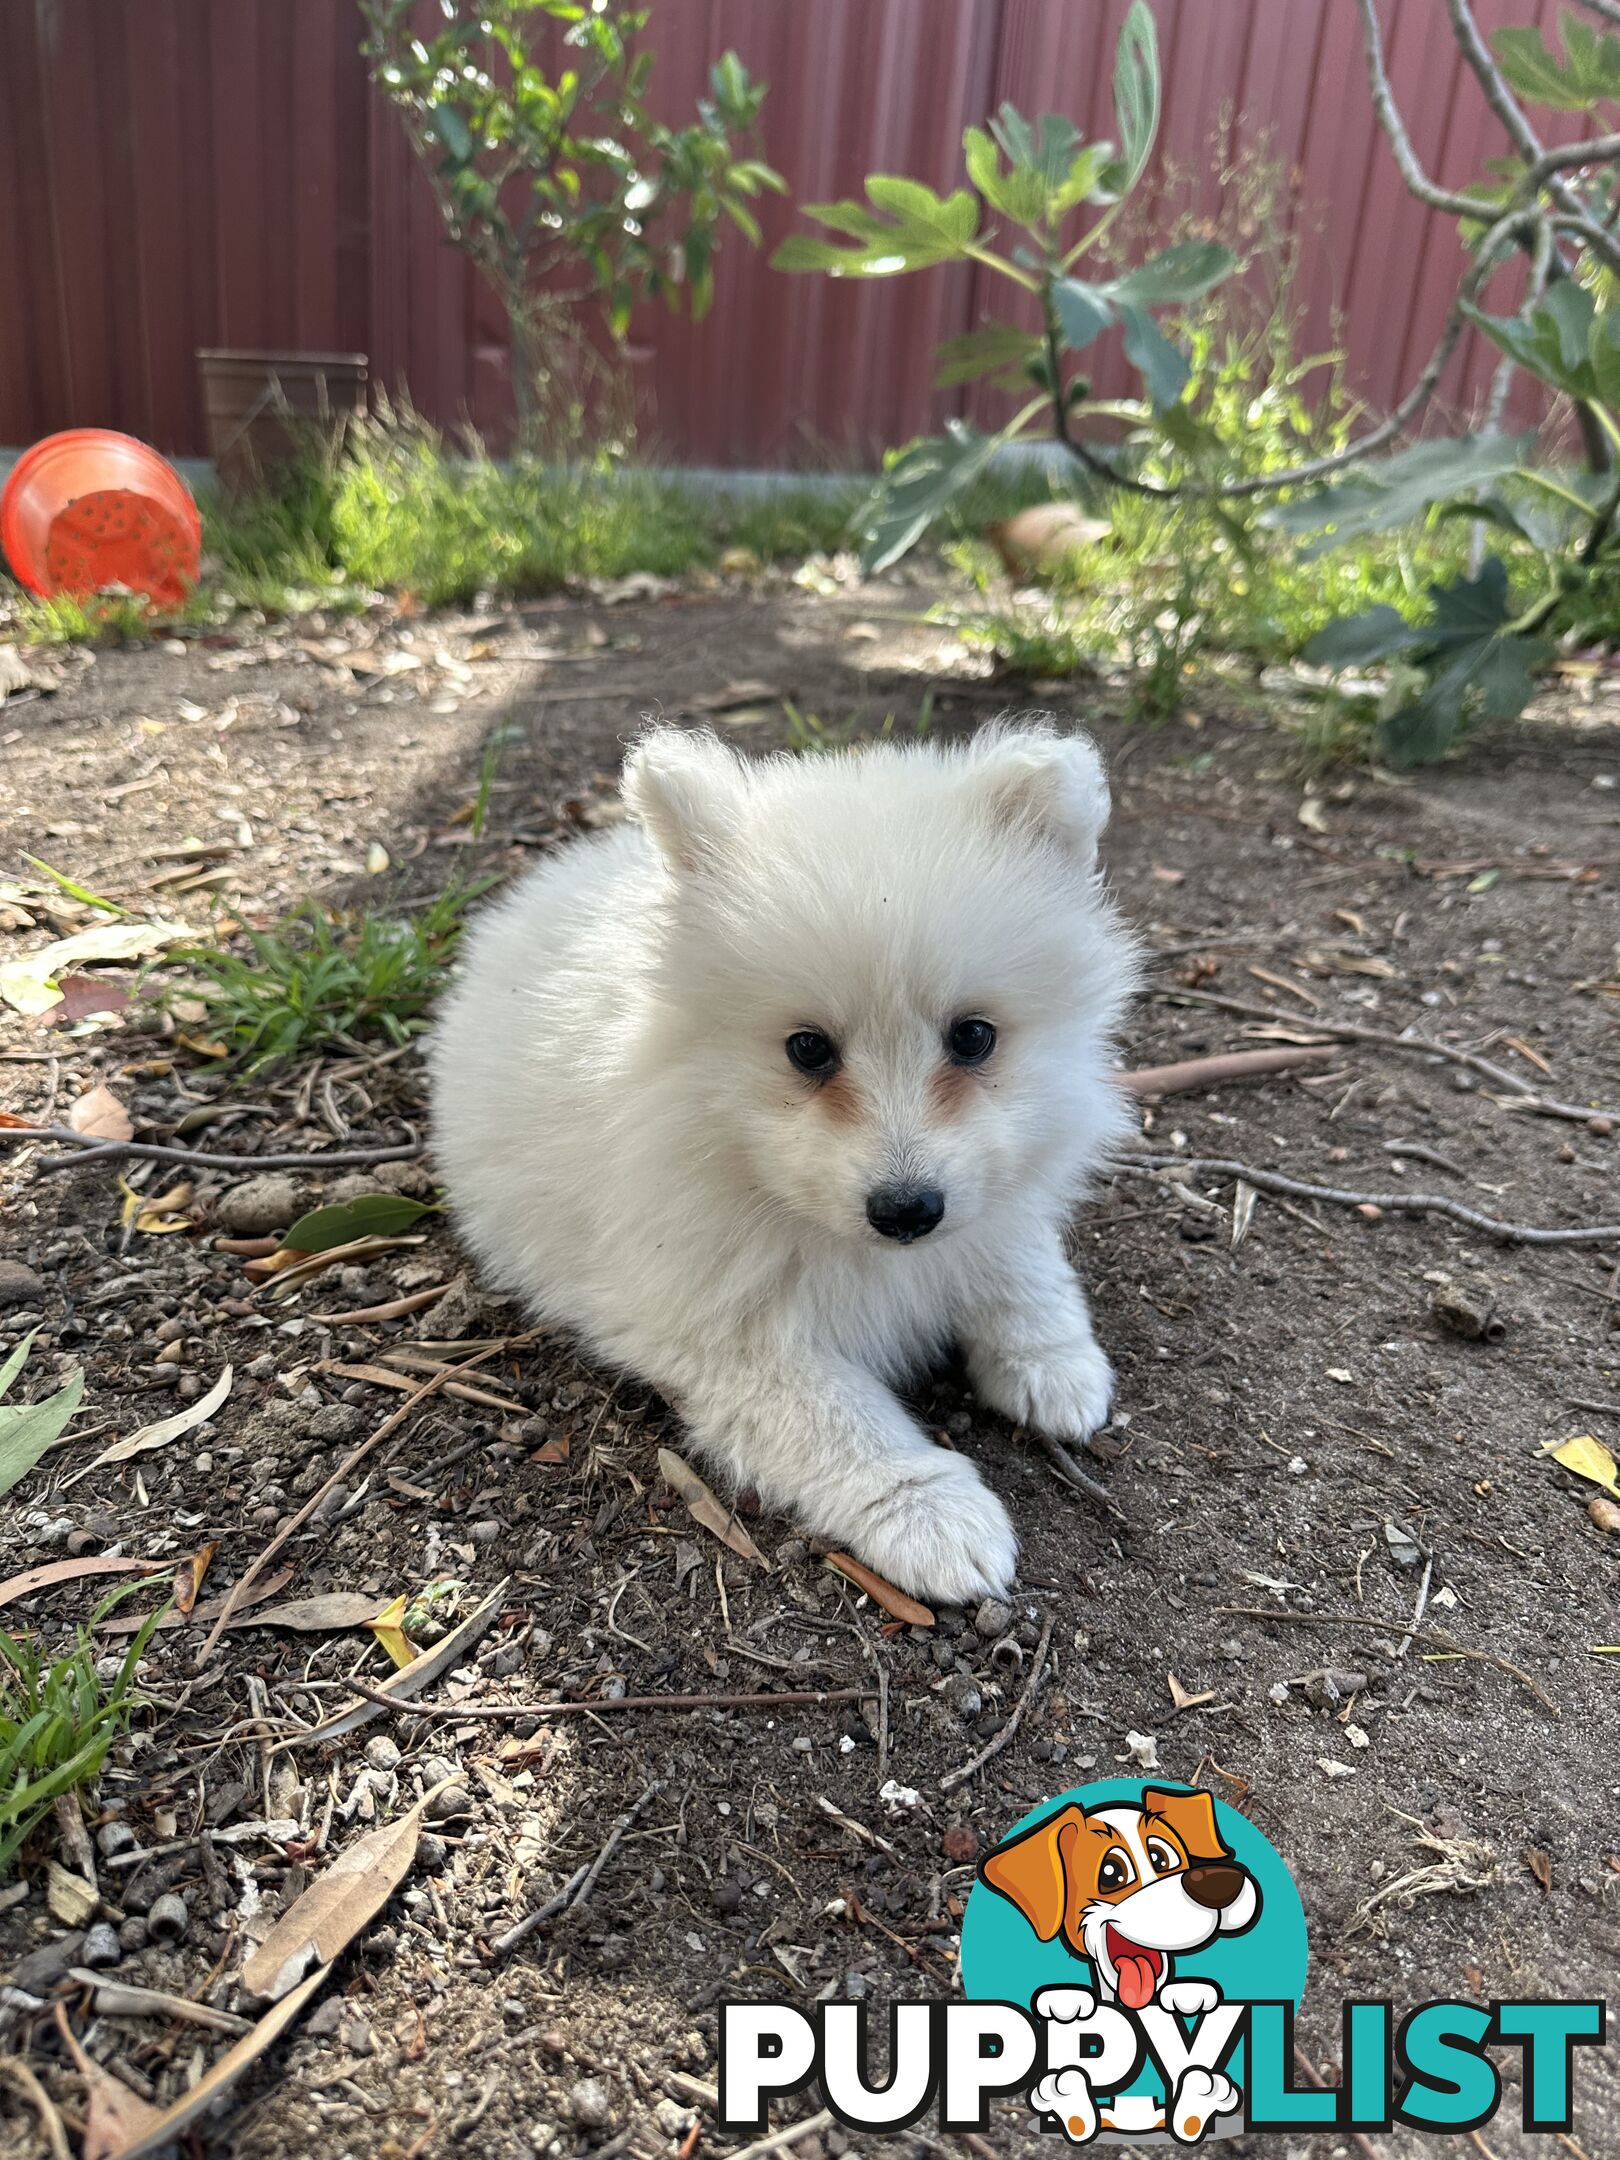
point(1004, 1960)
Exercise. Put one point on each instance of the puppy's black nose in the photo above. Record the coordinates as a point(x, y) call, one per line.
point(903, 1213)
point(1213, 1887)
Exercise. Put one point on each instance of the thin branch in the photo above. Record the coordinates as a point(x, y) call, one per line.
point(1521, 1097)
point(94, 1150)
point(1203, 1072)
point(578, 1888)
point(1389, 119)
point(1605, 10)
point(953, 1778)
point(788, 1699)
point(1445, 1643)
point(1065, 1466)
point(1594, 150)
point(1401, 1203)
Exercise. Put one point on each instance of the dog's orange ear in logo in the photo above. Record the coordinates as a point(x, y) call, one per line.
point(1191, 1815)
point(1032, 1870)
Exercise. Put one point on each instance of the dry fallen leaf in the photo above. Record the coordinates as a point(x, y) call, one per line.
point(115, 2117)
point(389, 1628)
point(1181, 1699)
point(1540, 1866)
point(164, 2129)
point(160, 1434)
point(326, 1612)
point(157, 1214)
point(99, 1115)
point(55, 1571)
point(189, 1575)
point(1587, 1457)
point(705, 1509)
point(336, 1906)
point(554, 1451)
point(272, 1586)
point(881, 1592)
point(29, 984)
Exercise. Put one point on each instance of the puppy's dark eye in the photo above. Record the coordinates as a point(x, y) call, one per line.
point(812, 1052)
point(970, 1042)
point(1115, 1872)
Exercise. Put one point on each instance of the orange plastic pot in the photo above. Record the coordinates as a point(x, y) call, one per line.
point(91, 508)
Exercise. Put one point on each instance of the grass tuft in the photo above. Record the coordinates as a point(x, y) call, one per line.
point(58, 1720)
point(319, 982)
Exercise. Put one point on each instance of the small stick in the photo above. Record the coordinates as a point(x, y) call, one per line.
point(786, 1699)
point(392, 1423)
point(1438, 1636)
point(579, 1885)
point(1415, 1045)
point(1205, 1072)
point(92, 1149)
point(778, 2140)
point(14, 2071)
point(395, 1309)
point(953, 1778)
point(384, 1376)
point(1421, 1607)
point(1312, 2076)
point(1402, 1203)
point(1072, 1474)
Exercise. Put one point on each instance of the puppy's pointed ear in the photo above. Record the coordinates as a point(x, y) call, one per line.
point(1191, 1815)
point(688, 792)
point(1032, 1870)
point(1048, 784)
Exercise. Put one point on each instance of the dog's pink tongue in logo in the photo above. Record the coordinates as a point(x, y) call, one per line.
point(1138, 1970)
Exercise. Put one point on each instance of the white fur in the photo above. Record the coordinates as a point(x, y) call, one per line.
point(627, 1146)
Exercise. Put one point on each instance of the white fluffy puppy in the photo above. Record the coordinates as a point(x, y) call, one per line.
point(777, 1093)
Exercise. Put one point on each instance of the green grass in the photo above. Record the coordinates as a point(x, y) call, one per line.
point(58, 1720)
point(809, 735)
point(318, 982)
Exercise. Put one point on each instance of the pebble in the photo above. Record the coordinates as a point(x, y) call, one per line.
point(589, 2104)
point(383, 1753)
point(133, 1936)
point(258, 1205)
point(102, 1946)
point(453, 1800)
point(992, 1619)
point(19, 1285)
point(39, 1972)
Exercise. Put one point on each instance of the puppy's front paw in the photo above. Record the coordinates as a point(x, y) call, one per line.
point(941, 1534)
point(1065, 1394)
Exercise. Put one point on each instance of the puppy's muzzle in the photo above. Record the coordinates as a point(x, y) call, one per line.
point(905, 1212)
point(1215, 1887)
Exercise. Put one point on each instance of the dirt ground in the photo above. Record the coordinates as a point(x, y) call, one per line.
point(1299, 1443)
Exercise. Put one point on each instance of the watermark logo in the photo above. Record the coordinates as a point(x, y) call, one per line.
point(1138, 1922)
point(1133, 1956)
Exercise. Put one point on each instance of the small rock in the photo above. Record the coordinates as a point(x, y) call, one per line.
point(134, 1936)
point(19, 1285)
point(325, 2019)
point(453, 1800)
point(260, 1204)
point(383, 1753)
point(355, 2034)
point(102, 1946)
point(589, 2104)
point(960, 1845)
point(39, 1971)
point(992, 1619)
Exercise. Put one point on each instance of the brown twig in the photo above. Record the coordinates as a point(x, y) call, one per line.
point(382, 1376)
point(396, 1308)
point(1202, 1072)
point(579, 1885)
point(953, 1778)
point(1065, 1466)
point(15, 2072)
point(1402, 1203)
point(1448, 1644)
point(1414, 1045)
point(791, 1699)
point(392, 1423)
point(93, 1150)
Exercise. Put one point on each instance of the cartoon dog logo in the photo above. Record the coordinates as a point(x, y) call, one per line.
point(1130, 1886)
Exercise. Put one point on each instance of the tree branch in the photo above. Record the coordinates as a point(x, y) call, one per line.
point(1389, 119)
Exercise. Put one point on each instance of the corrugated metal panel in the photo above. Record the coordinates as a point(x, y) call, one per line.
point(187, 174)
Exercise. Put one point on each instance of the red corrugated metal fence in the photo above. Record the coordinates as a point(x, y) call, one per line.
point(185, 173)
